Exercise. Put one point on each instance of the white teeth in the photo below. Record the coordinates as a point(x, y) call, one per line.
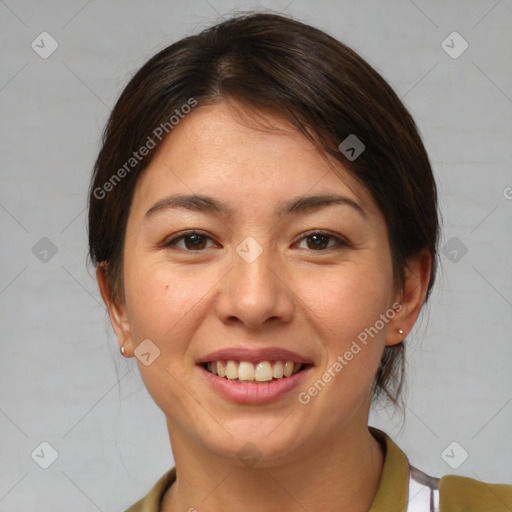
point(246, 371)
point(278, 372)
point(231, 370)
point(288, 369)
point(264, 371)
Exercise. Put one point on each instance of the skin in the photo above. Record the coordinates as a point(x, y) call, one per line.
point(189, 302)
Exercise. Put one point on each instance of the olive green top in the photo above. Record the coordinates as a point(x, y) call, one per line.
point(456, 493)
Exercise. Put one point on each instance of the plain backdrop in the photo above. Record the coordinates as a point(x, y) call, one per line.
point(62, 380)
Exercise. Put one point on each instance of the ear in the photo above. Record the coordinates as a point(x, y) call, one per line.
point(414, 292)
point(117, 312)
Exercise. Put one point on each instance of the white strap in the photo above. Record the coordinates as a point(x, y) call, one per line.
point(423, 492)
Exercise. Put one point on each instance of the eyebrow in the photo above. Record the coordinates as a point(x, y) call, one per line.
point(297, 205)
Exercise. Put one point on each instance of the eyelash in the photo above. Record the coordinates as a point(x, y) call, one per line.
point(340, 242)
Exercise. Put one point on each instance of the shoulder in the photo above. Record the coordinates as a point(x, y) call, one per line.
point(405, 488)
point(152, 501)
point(137, 507)
point(463, 494)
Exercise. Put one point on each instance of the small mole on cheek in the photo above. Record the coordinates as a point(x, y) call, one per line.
point(166, 287)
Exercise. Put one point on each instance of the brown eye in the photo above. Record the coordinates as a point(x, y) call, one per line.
point(319, 241)
point(193, 241)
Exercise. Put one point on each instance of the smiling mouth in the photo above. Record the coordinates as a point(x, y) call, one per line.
point(248, 373)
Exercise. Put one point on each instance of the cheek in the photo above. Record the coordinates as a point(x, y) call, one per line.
point(348, 299)
point(349, 308)
point(158, 302)
point(162, 306)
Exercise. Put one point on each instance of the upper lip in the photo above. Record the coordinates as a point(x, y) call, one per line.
point(254, 355)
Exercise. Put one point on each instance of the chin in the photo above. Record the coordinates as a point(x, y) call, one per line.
point(255, 444)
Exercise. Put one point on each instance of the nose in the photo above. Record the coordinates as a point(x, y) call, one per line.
point(256, 292)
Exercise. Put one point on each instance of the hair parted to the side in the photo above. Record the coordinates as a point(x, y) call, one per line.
point(270, 62)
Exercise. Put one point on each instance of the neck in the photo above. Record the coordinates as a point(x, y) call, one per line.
point(339, 475)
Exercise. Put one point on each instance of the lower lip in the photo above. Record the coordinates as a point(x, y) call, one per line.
point(252, 393)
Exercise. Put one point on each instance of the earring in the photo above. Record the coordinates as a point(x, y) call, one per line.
point(122, 350)
point(399, 332)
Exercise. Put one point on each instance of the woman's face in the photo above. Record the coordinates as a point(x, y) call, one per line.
point(255, 278)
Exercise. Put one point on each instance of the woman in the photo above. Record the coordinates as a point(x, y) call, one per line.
point(263, 218)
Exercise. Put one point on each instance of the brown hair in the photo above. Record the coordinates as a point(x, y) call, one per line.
point(320, 85)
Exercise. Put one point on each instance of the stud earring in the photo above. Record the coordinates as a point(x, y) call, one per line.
point(122, 349)
point(399, 332)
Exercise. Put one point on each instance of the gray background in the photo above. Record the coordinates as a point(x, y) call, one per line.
point(61, 378)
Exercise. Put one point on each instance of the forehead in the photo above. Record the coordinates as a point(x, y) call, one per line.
point(238, 155)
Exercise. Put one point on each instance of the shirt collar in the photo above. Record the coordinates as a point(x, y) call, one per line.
point(392, 493)
point(393, 490)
